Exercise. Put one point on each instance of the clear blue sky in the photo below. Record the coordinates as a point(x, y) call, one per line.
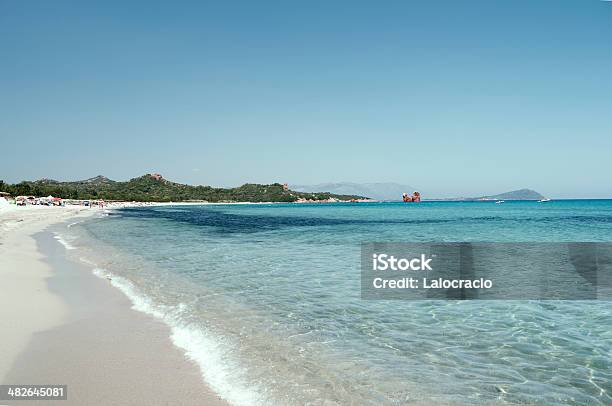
point(453, 97)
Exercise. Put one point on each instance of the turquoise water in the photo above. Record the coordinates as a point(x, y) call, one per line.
point(266, 299)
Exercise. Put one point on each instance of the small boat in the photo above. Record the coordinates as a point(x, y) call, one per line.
point(500, 201)
point(543, 200)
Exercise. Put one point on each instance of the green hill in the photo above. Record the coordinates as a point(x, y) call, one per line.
point(154, 188)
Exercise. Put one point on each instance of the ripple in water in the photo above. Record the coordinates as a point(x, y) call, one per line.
point(267, 299)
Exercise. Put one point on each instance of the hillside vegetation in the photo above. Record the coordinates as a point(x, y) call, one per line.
point(154, 188)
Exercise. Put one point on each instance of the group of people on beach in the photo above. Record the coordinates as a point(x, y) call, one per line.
point(416, 197)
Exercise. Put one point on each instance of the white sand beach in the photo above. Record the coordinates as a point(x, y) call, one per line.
point(62, 325)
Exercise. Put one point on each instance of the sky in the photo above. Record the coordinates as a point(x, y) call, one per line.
point(452, 97)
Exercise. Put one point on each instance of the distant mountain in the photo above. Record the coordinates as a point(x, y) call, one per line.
point(521, 194)
point(378, 191)
point(97, 180)
point(155, 188)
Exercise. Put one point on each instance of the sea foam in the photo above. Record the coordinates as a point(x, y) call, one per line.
point(62, 241)
point(212, 354)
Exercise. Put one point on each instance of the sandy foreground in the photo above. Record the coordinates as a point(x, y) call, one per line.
point(62, 325)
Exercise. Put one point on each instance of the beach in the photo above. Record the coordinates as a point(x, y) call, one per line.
point(62, 325)
point(267, 300)
point(257, 304)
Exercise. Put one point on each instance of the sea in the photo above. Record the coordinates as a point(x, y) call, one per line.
point(266, 299)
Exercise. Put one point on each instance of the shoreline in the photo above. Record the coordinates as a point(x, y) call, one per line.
point(63, 325)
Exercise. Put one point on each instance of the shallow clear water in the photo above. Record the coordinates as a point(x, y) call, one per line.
point(266, 298)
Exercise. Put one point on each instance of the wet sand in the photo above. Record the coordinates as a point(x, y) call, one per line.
point(63, 325)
